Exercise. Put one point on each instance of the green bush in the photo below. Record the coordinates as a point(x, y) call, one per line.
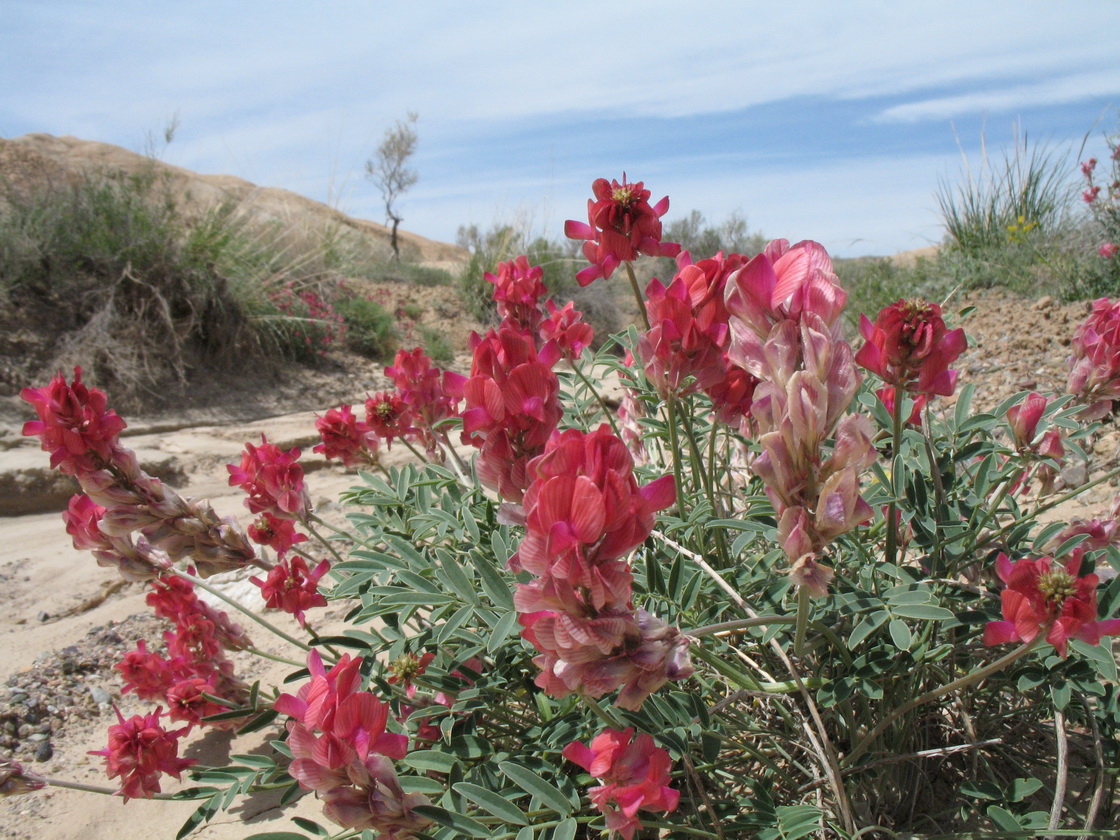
point(371, 330)
point(436, 344)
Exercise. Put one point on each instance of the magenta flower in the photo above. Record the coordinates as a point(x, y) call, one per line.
point(634, 773)
point(565, 326)
point(388, 417)
point(1109, 250)
point(292, 588)
point(278, 534)
point(909, 347)
point(140, 751)
point(1045, 596)
point(1094, 374)
point(512, 406)
point(621, 225)
point(517, 291)
point(74, 424)
point(272, 480)
point(344, 437)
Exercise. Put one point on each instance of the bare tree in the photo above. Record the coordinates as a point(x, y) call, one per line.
point(389, 169)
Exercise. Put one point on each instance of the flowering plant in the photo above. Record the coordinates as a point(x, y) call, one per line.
point(759, 599)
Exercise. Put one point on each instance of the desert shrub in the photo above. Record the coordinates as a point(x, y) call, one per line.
point(370, 329)
point(781, 592)
point(405, 273)
point(107, 264)
point(1100, 233)
point(1015, 223)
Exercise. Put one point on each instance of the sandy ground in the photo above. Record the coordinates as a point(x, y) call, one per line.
point(49, 592)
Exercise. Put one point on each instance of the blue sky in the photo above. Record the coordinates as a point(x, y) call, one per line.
point(824, 120)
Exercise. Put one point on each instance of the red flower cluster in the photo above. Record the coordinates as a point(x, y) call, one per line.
point(686, 346)
point(518, 288)
point(140, 751)
point(430, 394)
point(1094, 375)
point(634, 775)
point(910, 349)
point(119, 499)
point(621, 225)
point(584, 512)
point(272, 480)
point(341, 750)
point(278, 534)
point(345, 438)
point(292, 588)
point(784, 307)
point(75, 424)
point(195, 661)
point(1043, 595)
point(512, 407)
point(564, 326)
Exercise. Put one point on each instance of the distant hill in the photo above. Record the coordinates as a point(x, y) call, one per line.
point(33, 160)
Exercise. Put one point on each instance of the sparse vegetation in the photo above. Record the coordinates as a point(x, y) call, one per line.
point(119, 278)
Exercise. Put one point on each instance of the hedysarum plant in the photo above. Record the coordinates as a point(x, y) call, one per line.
point(600, 620)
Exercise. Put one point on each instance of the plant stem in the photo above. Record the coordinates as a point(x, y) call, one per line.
point(637, 295)
point(266, 655)
point(604, 714)
point(741, 624)
point(896, 460)
point(323, 541)
point(602, 403)
point(963, 682)
point(106, 791)
point(803, 604)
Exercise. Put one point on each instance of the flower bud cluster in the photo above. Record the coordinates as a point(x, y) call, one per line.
point(1045, 454)
point(785, 306)
point(584, 512)
point(342, 751)
point(1094, 376)
point(124, 516)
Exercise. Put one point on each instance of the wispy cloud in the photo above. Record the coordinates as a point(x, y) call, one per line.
point(1064, 89)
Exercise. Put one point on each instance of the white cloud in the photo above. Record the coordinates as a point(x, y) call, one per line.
point(1070, 88)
